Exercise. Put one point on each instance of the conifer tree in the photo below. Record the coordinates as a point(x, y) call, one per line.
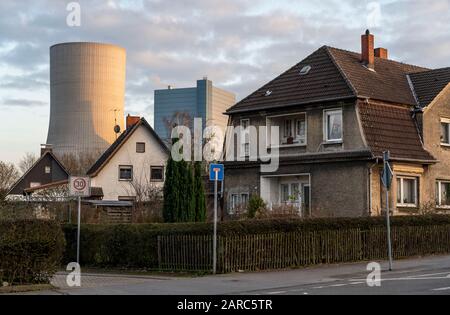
point(199, 194)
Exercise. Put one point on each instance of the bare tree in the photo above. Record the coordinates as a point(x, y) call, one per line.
point(177, 119)
point(8, 176)
point(27, 162)
point(78, 164)
point(149, 198)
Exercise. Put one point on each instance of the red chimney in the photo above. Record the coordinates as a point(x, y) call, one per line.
point(132, 120)
point(367, 50)
point(381, 53)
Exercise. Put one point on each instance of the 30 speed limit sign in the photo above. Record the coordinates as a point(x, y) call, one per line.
point(79, 186)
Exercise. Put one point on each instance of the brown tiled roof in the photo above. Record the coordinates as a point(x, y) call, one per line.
point(428, 84)
point(335, 74)
point(388, 82)
point(324, 81)
point(392, 128)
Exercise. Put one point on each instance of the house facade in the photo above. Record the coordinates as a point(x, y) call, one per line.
point(337, 112)
point(46, 172)
point(133, 168)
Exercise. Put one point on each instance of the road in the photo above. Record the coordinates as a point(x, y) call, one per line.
point(424, 276)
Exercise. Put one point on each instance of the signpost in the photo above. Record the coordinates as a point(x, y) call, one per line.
point(387, 182)
point(216, 174)
point(79, 187)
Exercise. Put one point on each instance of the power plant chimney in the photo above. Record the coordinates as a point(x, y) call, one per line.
point(87, 92)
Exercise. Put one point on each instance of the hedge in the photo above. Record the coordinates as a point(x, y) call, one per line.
point(136, 246)
point(30, 251)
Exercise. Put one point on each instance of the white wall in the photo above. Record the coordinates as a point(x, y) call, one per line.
point(154, 155)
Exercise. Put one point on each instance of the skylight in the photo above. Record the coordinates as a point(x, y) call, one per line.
point(268, 93)
point(305, 70)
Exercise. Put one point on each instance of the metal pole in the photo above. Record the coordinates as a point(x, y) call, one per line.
point(388, 223)
point(78, 230)
point(386, 157)
point(215, 226)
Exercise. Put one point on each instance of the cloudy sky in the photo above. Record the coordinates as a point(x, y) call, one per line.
point(239, 44)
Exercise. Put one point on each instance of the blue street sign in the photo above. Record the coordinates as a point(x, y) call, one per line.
point(216, 172)
point(386, 177)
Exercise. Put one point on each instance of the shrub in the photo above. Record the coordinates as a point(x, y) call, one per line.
point(136, 245)
point(255, 205)
point(30, 251)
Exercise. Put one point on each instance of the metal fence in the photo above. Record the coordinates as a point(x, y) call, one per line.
point(296, 249)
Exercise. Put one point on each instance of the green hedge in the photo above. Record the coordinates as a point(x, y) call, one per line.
point(135, 246)
point(30, 251)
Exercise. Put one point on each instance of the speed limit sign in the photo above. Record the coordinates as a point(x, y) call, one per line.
point(79, 186)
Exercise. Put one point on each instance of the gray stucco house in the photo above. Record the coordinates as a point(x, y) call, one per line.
point(337, 111)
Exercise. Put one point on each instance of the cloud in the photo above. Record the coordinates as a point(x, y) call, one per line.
point(239, 44)
point(18, 102)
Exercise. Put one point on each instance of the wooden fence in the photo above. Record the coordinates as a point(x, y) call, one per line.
point(296, 249)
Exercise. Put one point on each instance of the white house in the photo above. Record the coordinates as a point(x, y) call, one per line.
point(133, 168)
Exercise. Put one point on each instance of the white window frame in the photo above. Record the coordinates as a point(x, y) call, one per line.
point(126, 167)
point(234, 204)
point(445, 121)
point(439, 192)
point(245, 145)
point(326, 113)
point(416, 192)
point(48, 169)
point(302, 142)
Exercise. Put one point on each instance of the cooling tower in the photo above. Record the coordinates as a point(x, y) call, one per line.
point(87, 92)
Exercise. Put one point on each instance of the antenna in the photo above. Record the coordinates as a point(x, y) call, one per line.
point(116, 126)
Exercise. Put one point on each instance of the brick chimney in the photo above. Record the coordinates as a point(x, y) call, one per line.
point(46, 148)
point(381, 53)
point(367, 50)
point(132, 120)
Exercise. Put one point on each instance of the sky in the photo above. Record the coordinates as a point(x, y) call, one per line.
point(239, 44)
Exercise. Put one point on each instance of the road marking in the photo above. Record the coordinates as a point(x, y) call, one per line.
point(432, 274)
point(357, 283)
point(337, 285)
point(441, 289)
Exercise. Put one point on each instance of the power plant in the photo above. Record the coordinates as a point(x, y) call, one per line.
point(87, 96)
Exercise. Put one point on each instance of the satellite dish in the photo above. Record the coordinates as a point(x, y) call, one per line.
point(117, 129)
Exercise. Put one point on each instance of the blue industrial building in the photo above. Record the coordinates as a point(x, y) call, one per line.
point(203, 101)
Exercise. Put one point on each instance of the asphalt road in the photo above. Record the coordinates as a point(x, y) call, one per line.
point(424, 276)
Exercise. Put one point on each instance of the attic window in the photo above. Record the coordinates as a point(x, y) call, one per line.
point(268, 93)
point(305, 70)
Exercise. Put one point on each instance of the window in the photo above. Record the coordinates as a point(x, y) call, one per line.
point(445, 131)
point(140, 147)
point(406, 191)
point(333, 125)
point(239, 201)
point(293, 129)
point(300, 128)
point(34, 184)
point(288, 128)
point(125, 173)
point(157, 173)
point(245, 137)
point(289, 193)
point(48, 170)
point(443, 193)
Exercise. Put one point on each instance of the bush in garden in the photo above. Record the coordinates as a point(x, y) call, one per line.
point(30, 251)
